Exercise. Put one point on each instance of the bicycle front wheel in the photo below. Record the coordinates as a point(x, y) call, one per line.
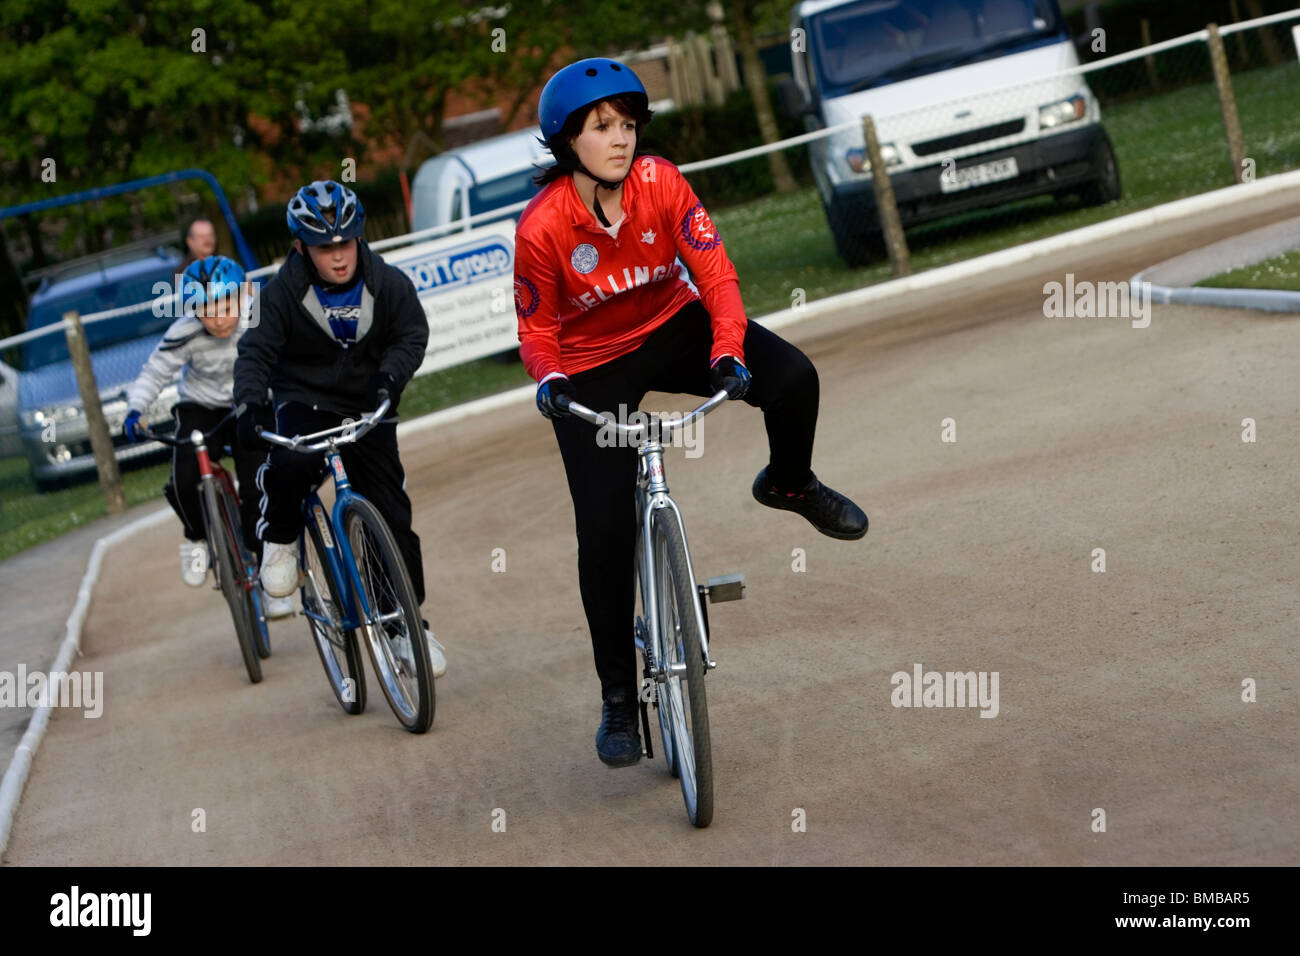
point(222, 544)
point(649, 652)
point(246, 570)
point(336, 645)
point(390, 617)
point(682, 700)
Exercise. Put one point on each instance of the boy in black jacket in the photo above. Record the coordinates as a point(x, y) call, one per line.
point(334, 332)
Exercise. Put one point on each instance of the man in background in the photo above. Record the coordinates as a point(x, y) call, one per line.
point(199, 240)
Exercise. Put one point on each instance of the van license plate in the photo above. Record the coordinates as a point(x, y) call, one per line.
point(955, 180)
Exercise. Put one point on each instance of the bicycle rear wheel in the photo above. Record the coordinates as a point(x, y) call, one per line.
point(222, 544)
point(390, 617)
point(336, 645)
point(682, 699)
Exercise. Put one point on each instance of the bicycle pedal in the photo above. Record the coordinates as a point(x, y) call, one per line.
point(726, 587)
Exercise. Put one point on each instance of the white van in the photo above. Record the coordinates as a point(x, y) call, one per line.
point(477, 178)
point(932, 75)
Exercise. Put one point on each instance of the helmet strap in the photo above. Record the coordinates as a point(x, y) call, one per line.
point(595, 202)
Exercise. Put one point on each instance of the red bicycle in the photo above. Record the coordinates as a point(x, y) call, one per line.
point(233, 563)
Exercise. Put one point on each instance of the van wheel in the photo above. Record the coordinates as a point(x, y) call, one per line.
point(1106, 187)
point(856, 244)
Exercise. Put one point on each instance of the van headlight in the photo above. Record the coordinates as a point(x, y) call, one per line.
point(857, 157)
point(1061, 112)
point(50, 415)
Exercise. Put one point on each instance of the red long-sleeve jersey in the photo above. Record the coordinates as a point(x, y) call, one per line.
point(583, 298)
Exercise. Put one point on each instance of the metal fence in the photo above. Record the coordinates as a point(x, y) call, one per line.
point(971, 172)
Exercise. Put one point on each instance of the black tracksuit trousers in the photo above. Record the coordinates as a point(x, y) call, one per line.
point(675, 358)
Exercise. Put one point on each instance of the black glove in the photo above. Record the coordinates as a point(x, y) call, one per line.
point(548, 395)
point(382, 385)
point(729, 374)
point(249, 419)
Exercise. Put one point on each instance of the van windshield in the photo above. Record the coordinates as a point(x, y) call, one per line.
point(118, 278)
point(874, 42)
point(505, 191)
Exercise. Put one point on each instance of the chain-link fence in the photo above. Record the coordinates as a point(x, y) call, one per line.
point(1007, 148)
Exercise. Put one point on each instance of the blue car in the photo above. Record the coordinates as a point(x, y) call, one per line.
point(52, 422)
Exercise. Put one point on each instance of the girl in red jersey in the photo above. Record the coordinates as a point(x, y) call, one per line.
point(607, 313)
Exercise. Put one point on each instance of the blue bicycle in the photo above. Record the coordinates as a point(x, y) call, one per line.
point(354, 578)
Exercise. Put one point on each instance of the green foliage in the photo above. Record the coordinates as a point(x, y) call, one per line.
point(115, 91)
point(111, 93)
point(702, 132)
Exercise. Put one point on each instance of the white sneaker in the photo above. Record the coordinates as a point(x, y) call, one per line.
point(436, 659)
point(279, 574)
point(195, 563)
point(402, 649)
point(276, 607)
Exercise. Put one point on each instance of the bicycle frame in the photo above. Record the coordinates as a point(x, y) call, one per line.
point(651, 496)
point(212, 471)
point(338, 549)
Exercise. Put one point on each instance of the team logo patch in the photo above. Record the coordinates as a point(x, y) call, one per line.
point(526, 297)
point(584, 258)
point(697, 229)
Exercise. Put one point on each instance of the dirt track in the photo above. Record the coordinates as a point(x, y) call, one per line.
point(1119, 690)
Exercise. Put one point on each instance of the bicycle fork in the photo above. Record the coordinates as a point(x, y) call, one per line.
point(208, 475)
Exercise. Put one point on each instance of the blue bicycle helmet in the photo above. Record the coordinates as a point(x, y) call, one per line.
point(324, 212)
point(212, 278)
point(582, 84)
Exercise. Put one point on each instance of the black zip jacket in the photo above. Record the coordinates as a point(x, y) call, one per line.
point(290, 348)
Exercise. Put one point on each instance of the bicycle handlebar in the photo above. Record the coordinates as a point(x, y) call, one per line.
point(203, 437)
point(664, 426)
point(347, 432)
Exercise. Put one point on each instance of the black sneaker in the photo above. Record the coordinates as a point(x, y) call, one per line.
point(618, 739)
point(826, 509)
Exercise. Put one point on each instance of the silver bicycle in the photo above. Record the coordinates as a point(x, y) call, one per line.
point(672, 628)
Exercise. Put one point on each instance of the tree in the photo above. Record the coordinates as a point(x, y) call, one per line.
point(108, 94)
point(406, 60)
point(742, 16)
